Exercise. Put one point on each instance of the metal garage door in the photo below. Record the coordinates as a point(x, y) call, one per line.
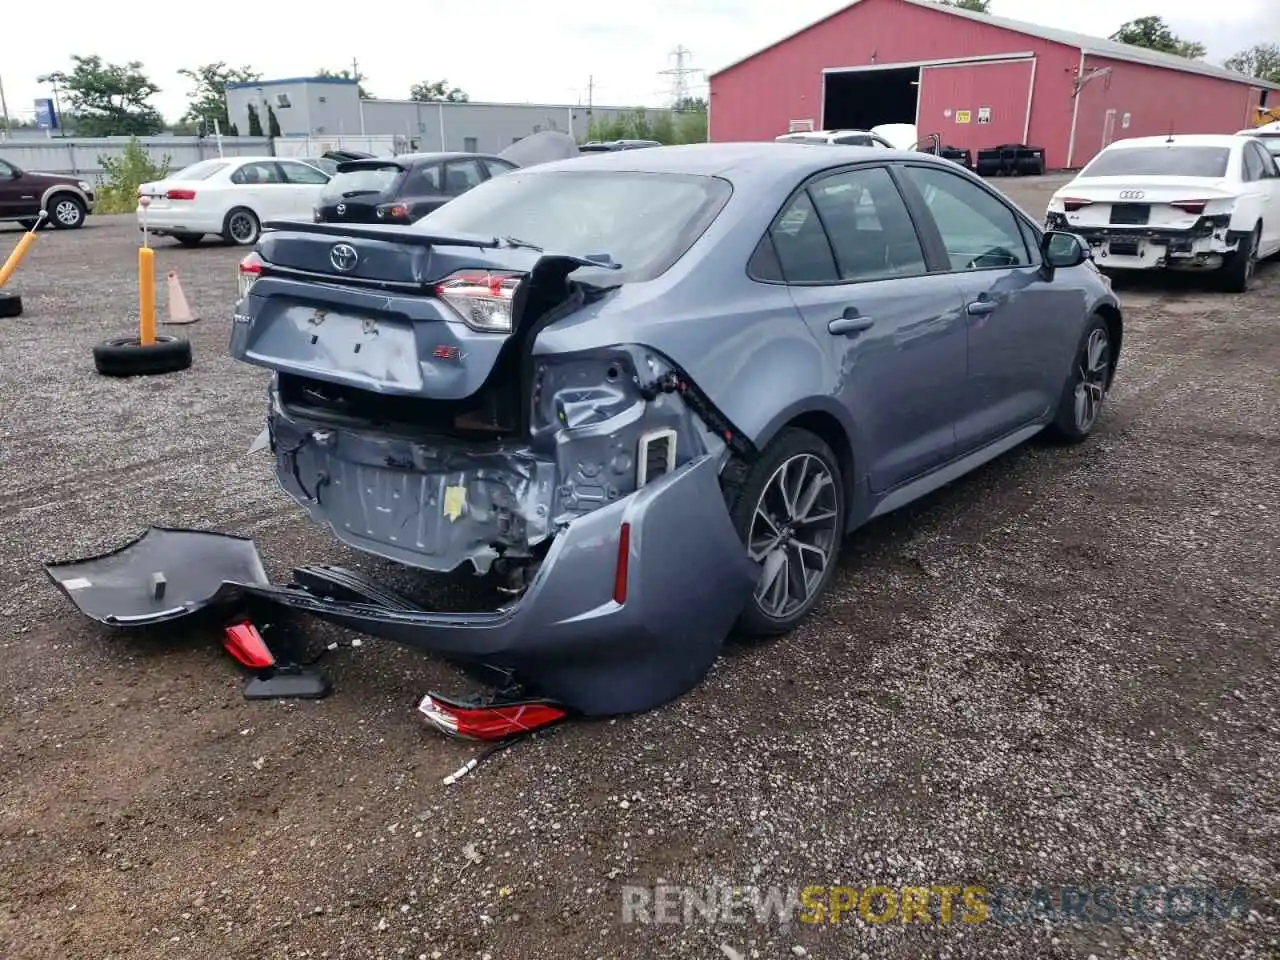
point(976, 105)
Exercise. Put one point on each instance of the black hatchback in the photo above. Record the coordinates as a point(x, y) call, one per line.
point(402, 189)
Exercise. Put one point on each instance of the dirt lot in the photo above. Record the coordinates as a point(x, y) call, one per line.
point(1059, 671)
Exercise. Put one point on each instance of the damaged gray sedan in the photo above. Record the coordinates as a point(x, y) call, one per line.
point(650, 391)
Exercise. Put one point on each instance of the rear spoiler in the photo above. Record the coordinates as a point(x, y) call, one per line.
point(413, 238)
point(370, 163)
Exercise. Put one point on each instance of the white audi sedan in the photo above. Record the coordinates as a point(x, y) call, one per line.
point(1198, 202)
point(229, 197)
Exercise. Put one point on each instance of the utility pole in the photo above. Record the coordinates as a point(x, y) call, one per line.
point(4, 108)
point(591, 89)
point(679, 75)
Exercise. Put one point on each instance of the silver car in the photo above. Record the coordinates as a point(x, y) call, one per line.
point(650, 392)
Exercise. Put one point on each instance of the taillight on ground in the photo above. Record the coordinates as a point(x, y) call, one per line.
point(490, 723)
point(249, 271)
point(243, 642)
point(483, 300)
point(181, 194)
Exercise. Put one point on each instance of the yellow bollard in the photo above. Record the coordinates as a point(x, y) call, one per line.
point(19, 252)
point(146, 296)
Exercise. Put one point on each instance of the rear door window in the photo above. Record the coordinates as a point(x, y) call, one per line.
point(868, 224)
point(460, 176)
point(422, 181)
point(302, 174)
point(258, 173)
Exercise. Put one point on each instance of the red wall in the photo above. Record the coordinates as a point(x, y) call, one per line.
point(755, 99)
point(1001, 86)
point(1157, 101)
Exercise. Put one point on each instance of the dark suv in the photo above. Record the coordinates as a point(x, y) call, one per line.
point(403, 189)
point(23, 194)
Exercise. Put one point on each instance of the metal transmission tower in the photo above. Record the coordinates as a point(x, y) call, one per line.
point(679, 75)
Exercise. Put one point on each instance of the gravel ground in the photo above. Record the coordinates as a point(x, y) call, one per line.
point(1059, 671)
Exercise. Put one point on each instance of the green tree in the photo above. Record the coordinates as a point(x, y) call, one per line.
point(359, 78)
point(209, 94)
point(665, 126)
point(977, 6)
point(122, 176)
point(255, 122)
point(1262, 61)
point(435, 91)
point(1154, 34)
point(273, 125)
point(108, 99)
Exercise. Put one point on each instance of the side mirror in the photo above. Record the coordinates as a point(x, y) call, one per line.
point(1060, 250)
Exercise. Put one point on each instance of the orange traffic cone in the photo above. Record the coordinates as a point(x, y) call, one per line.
point(179, 311)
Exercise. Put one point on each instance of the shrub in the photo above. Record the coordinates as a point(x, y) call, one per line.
point(121, 176)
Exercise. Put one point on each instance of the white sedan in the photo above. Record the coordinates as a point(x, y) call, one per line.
point(1198, 202)
point(230, 197)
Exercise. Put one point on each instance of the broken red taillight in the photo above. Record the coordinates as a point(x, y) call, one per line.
point(489, 722)
point(623, 569)
point(249, 271)
point(483, 300)
point(1072, 204)
point(1190, 206)
point(243, 642)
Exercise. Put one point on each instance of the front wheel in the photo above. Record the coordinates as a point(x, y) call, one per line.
point(1087, 385)
point(66, 212)
point(789, 510)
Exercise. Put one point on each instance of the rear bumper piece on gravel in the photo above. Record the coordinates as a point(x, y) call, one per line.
point(566, 638)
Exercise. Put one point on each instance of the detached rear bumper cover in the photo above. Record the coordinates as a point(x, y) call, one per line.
point(566, 638)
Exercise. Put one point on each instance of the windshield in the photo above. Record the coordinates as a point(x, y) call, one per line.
point(643, 221)
point(1272, 144)
point(1167, 161)
point(200, 171)
point(362, 181)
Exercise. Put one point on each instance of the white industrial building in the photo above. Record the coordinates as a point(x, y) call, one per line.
point(331, 107)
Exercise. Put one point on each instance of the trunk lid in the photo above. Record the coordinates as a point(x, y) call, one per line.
point(361, 306)
point(356, 190)
point(1172, 203)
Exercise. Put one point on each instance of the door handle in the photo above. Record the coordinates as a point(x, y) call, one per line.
point(981, 306)
point(849, 323)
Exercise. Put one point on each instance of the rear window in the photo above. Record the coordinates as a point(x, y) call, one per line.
point(200, 171)
point(1168, 161)
point(365, 180)
point(643, 221)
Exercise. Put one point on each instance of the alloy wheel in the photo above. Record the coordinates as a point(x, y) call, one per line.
point(793, 534)
point(67, 212)
point(241, 227)
point(1091, 382)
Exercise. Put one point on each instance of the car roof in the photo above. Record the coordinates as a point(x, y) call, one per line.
point(1228, 140)
point(733, 160)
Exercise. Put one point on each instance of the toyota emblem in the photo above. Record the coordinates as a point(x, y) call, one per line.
point(1131, 194)
point(343, 256)
point(342, 209)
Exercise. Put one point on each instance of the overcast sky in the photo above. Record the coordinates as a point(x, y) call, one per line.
point(506, 49)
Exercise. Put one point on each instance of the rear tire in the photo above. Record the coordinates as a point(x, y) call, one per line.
point(126, 357)
point(66, 211)
point(241, 227)
point(771, 518)
point(1236, 273)
point(1087, 385)
point(10, 305)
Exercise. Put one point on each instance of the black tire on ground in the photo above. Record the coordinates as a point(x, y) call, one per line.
point(189, 239)
point(10, 305)
point(28, 224)
point(66, 211)
point(241, 227)
point(744, 494)
point(1235, 274)
point(126, 357)
point(1092, 369)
